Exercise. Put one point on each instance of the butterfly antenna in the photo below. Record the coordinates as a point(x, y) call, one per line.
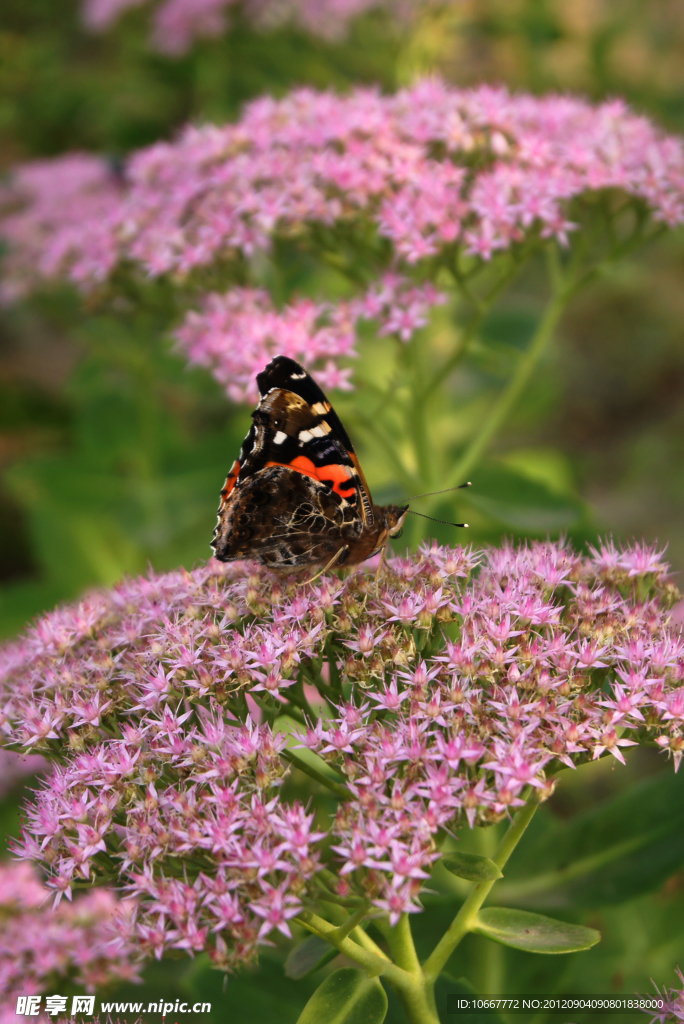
point(444, 521)
point(446, 490)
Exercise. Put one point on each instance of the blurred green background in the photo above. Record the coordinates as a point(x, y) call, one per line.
point(112, 452)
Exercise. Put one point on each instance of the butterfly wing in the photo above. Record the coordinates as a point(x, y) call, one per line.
point(319, 490)
point(302, 430)
point(286, 520)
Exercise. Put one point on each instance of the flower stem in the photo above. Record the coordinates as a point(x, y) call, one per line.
point(467, 915)
point(335, 787)
point(480, 309)
point(419, 401)
point(343, 930)
point(564, 287)
point(373, 963)
point(416, 996)
point(401, 943)
point(514, 388)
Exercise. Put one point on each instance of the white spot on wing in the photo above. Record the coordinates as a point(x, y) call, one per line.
point(298, 376)
point(280, 437)
point(320, 408)
point(318, 431)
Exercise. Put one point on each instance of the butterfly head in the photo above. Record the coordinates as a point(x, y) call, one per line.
point(392, 518)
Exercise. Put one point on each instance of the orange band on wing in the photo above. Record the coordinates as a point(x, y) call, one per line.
point(334, 473)
point(231, 480)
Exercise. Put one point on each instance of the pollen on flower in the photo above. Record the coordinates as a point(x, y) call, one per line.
point(172, 727)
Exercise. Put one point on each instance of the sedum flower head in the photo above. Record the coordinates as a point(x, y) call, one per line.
point(58, 212)
point(435, 697)
point(391, 190)
point(78, 942)
point(417, 174)
point(238, 333)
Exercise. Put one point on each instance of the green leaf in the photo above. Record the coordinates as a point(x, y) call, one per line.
point(533, 932)
point(611, 853)
point(515, 500)
point(547, 466)
point(346, 997)
point(308, 957)
point(471, 866)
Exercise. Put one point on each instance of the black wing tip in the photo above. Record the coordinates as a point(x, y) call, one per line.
point(282, 361)
point(279, 373)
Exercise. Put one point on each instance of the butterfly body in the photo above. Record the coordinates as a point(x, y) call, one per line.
point(296, 498)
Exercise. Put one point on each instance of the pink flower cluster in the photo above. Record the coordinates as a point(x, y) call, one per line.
point(59, 217)
point(673, 1009)
point(79, 942)
point(177, 23)
point(429, 170)
point(236, 334)
point(99, 15)
point(450, 686)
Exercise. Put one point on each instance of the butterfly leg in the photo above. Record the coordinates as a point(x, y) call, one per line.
point(333, 561)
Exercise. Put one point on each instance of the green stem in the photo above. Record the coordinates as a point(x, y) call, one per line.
point(364, 940)
point(358, 934)
point(350, 902)
point(293, 710)
point(376, 430)
point(333, 669)
point(635, 241)
point(481, 308)
point(352, 921)
point(419, 397)
point(401, 944)
point(269, 712)
point(319, 684)
point(419, 1001)
point(514, 388)
point(417, 998)
point(335, 787)
point(373, 963)
point(467, 915)
point(419, 1004)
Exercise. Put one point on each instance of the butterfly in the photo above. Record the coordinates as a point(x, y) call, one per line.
point(296, 498)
